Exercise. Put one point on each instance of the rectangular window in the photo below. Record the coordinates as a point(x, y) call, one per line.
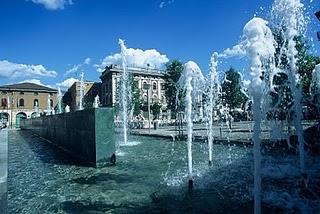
point(36, 93)
point(21, 92)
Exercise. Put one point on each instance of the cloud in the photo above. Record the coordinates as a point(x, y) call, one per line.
point(136, 58)
point(18, 71)
point(53, 4)
point(36, 81)
point(67, 83)
point(76, 68)
point(87, 61)
point(165, 3)
point(235, 51)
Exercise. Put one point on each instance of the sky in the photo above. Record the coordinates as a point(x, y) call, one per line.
point(51, 41)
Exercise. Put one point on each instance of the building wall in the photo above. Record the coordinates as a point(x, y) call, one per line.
point(12, 107)
point(74, 91)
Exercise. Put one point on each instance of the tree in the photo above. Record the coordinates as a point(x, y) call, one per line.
point(137, 100)
point(156, 108)
point(173, 72)
point(232, 96)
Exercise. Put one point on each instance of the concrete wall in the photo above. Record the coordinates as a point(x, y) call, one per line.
point(87, 134)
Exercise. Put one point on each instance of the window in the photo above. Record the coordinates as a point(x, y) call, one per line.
point(145, 86)
point(21, 92)
point(4, 102)
point(51, 102)
point(21, 102)
point(4, 92)
point(51, 94)
point(35, 103)
point(162, 86)
point(154, 86)
point(35, 93)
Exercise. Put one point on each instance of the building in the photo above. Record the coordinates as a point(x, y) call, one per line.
point(72, 96)
point(150, 82)
point(25, 100)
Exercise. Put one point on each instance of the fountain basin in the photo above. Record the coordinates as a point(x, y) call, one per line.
point(88, 135)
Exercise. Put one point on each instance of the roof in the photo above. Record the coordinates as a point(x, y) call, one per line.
point(134, 70)
point(27, 87)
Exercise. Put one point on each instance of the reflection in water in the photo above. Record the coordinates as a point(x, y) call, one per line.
point(149, 177)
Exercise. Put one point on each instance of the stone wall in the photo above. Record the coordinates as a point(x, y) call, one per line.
point(88, 134)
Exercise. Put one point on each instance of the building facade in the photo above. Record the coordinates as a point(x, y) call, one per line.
point(72, 96)
point(25, 100)
point(149, 81)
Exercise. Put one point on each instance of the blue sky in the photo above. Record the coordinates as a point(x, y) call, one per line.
point(58, 35)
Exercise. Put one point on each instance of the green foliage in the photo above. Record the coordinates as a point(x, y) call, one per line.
point(173, 73)
point(156, 108)
point(232, 96)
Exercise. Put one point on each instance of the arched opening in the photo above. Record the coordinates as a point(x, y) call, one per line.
point(34, 115)
point(35, 103)
point(4, 103)
point(154, 98)
point(20, 116)
point(21, 102)
point(154, 86)
point(4, 118)
point(51, 103)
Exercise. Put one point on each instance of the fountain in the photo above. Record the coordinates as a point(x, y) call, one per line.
point(49, 104)
point(96, 102)
point(258, 46)
point(124, 86)
point(81, 91)
point(37, 108)
point(67, 109)
point(213, 95)
point(59, 101)
point(315, 86)
point(191, 80)
point(288, 18)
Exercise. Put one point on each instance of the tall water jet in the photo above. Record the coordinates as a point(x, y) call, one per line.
point(96, 102)
point(124, 80)
point(315, 87)
point(288, 18)
point(49, 104)
point(213, 93)
point(36, 106)
point(191, 80)
point(81, 91)
point(59, 101)
point(67, 109)
point(259, 47)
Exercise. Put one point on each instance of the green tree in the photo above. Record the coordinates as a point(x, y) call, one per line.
point(232, 96)
point(173, 72)
point(156, 108)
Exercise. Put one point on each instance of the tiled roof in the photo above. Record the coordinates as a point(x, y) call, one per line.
point(27, 86)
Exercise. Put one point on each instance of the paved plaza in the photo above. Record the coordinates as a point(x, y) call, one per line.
point(239, 132)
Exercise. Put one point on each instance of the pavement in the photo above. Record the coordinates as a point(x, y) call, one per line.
point(3, 169)
point(240, 131)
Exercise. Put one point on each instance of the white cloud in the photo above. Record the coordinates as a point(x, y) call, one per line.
point(36, 81)
point(67, 83)
point(18, 71)
point(165, 3)
point(76, 68)
point(87, 61)
point(53, 4)
point(136, 58)
point(235, 51)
